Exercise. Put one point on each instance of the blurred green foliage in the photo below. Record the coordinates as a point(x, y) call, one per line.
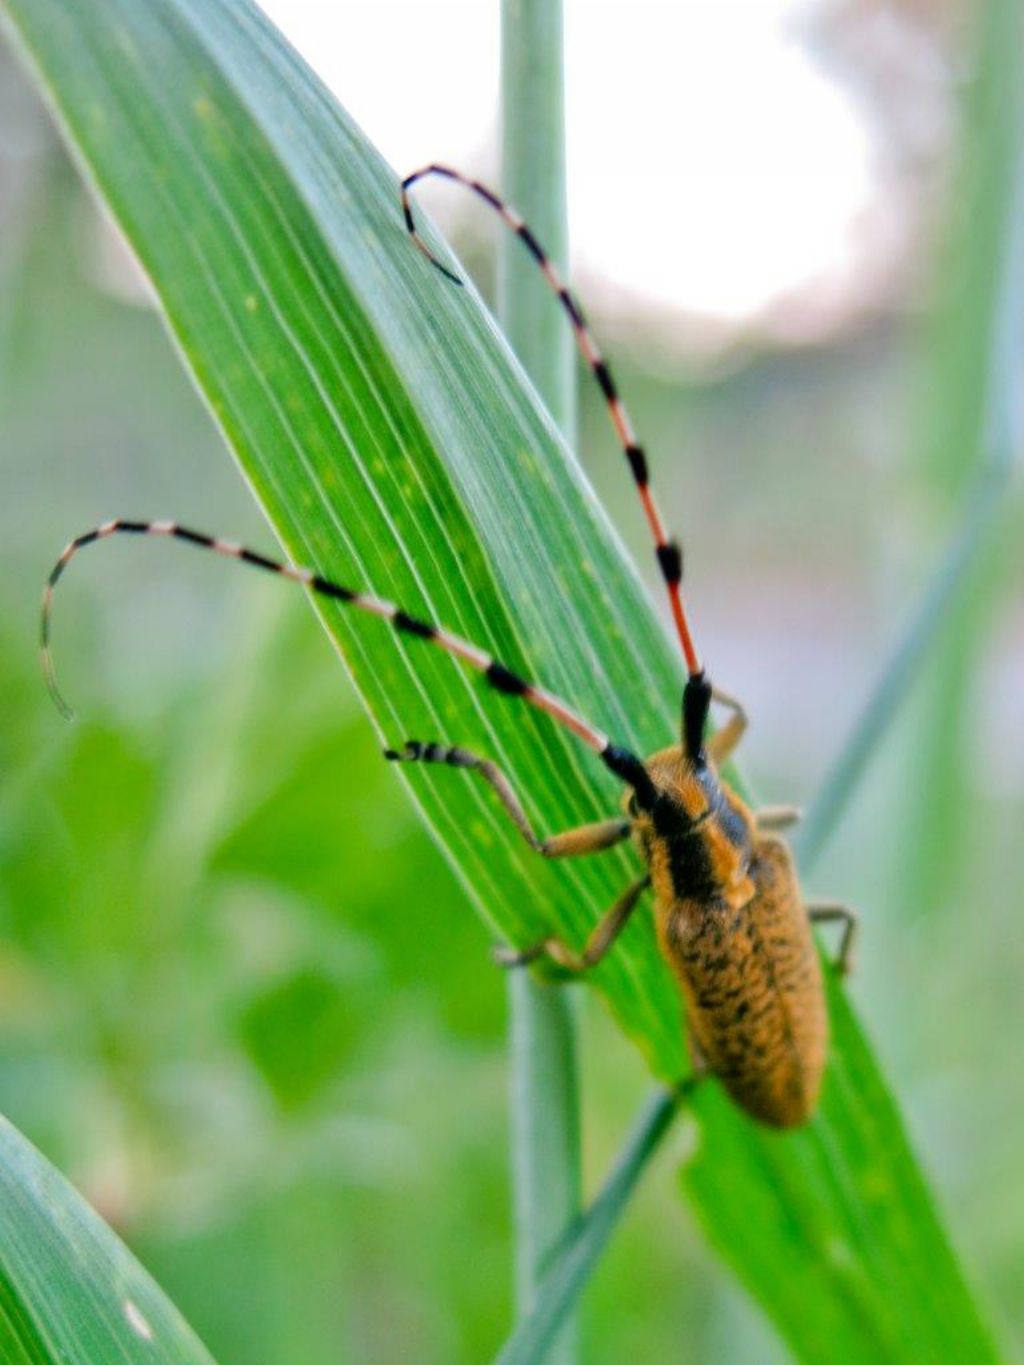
point(285, 1089)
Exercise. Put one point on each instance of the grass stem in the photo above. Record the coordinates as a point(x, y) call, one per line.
point(568, 1274)
point(545, 1100)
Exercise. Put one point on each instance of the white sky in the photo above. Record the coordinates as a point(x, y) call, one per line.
point(712, 166)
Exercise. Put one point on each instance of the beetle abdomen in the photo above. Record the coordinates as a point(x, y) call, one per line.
point(753, 988)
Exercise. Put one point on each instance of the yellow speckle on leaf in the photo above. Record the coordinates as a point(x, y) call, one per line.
point(137, 1321)
point(840, 1253)
point(482, 835)
point(251, 303)
point(202, 107)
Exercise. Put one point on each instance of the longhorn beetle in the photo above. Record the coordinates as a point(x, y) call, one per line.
point(730, 919)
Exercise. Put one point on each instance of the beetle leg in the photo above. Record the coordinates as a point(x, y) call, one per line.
point(777, 817)
point(698, 1062)
point(571, 843)
point(603, 935)
point(724, 741)
point(827, 912)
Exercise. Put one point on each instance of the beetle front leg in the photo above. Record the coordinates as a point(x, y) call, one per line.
point(571, 843)
point(773, 818)
point(828, 912)
point(722, 743)
point(604, 934)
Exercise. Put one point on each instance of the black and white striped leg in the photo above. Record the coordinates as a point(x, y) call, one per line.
point(831, 912)
point(572, 843)
point(601, 939)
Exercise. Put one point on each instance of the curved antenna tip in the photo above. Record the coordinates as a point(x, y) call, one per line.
point(438, 265)
point(56, 696)
point(418, 241)
point(449, 274)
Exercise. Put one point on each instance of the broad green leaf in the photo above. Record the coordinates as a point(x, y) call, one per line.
point(394, 444)
point(70, 1292)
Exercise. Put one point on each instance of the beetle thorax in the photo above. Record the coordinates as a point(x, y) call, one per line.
point(698, 837)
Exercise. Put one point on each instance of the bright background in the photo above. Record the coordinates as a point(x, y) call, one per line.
point(242, 1001)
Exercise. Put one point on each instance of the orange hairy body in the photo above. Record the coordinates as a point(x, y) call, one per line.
point(732, 924)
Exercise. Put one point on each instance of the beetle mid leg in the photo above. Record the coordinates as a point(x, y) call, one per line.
point(698, 1062)
point(603, 935)
point(828, 912)
point(571, 843)
point(772, 818)
point(722, 743)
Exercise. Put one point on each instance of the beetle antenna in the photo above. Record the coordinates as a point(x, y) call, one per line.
point(696, 705)
point(620, 761)
point(669, 554)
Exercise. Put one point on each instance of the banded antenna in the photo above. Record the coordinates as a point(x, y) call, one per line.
point(620, 761)
point(669, 555)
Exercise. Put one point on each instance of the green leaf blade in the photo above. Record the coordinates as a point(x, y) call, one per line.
point(850, 1217)
point(391, 476)
point(70, 1292)
point(395, 445)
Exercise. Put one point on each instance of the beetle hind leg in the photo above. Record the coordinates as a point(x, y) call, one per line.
point(829, 912)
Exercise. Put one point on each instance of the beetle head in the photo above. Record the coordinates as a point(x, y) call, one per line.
point(685, 792)
point(677, 788)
